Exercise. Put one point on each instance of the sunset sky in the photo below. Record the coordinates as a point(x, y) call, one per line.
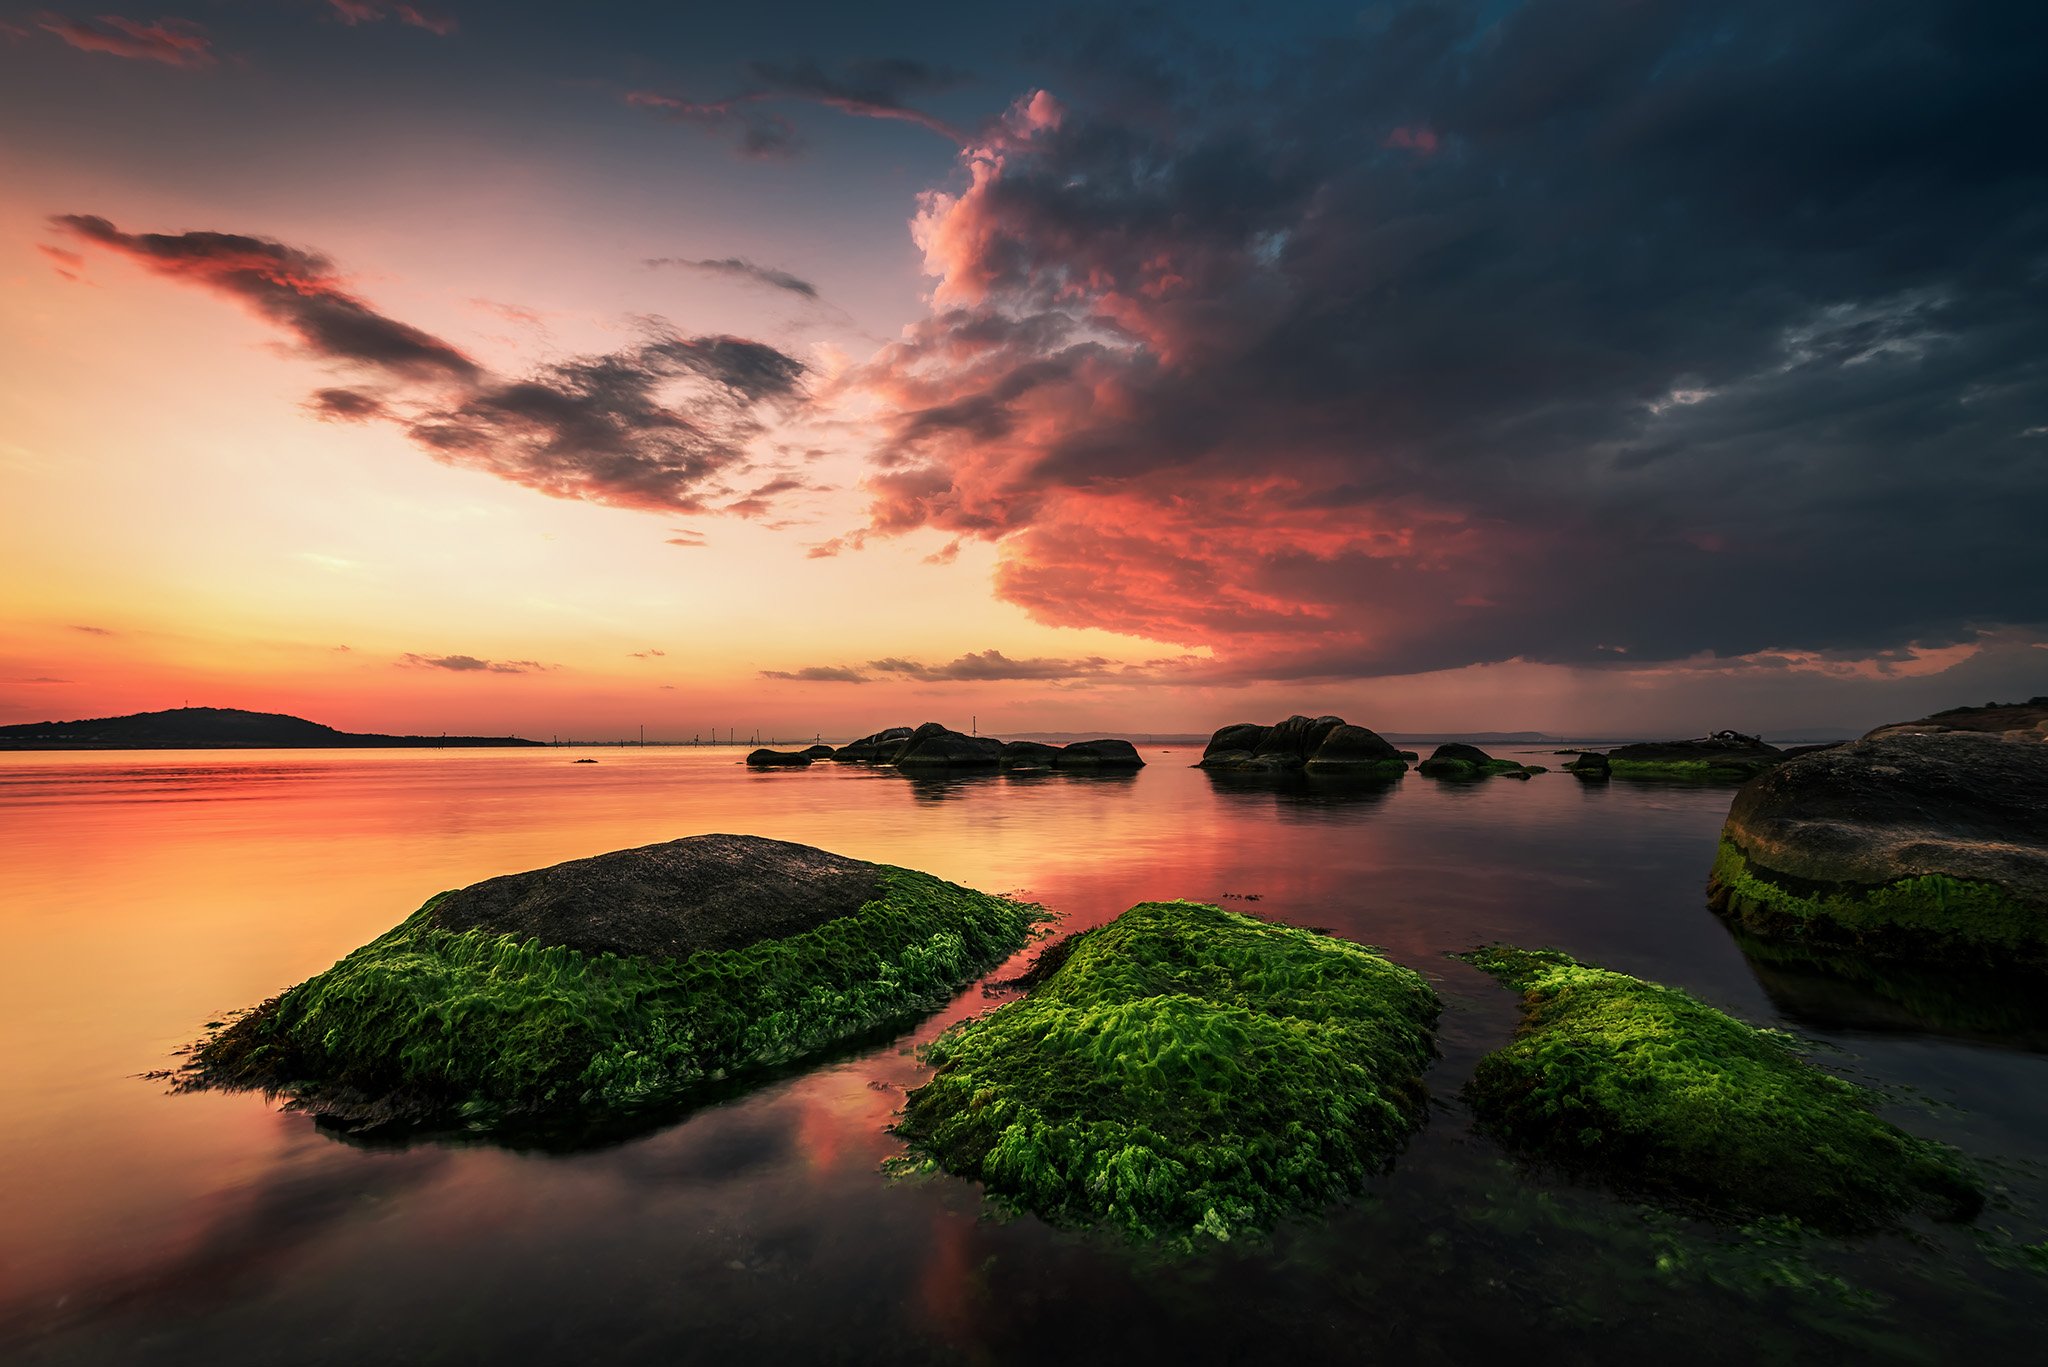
point(1596, 366)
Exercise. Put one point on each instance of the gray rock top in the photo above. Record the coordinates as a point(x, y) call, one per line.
point(1960, 803)
point(707, 892)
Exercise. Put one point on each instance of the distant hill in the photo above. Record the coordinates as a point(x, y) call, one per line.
point(214, 728)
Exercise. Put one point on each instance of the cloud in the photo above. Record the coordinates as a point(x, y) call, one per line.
point(1254, 364)
point(173, 42)
point(95, 631)
point(470, 664)
point(353, 12)
point(67, 264)
point(652, 425)
point(649, 654)
point(685, 537)
point(738, 268)
point(870, 89)
point(989, 666)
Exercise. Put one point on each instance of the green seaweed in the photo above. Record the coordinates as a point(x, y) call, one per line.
point(1930, 916)
point(423, 1023)
point(1187, 1074)
point(1664, 1096)
point(1698, 770)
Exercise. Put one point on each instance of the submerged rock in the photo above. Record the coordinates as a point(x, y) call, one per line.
point(606, 985)
point(1099, 754)
point(1325, 745)
point(1183, 1073)
point(1469, 761)
point(1916, 845)
point(1725, 756)
point(778, 759)
point(1648, 1089)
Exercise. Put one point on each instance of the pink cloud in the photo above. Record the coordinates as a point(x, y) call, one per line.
point(173, 42)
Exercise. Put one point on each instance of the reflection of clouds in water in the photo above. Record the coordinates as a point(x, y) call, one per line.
point(254, 1232)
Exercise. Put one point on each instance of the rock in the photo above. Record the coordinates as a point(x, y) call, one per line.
point(1184, 1074)
point(1726, 756)
point(582, 761)
point(607, 985)
point(1355, 751)
point(1456, 760)
point(880, 748)
point(1325, 745)
point(1915, 844)
point(1589, 766)
point(1645, 1087)
point(1099, 754)
point(2026, 721)
point(932, 746)
point(815, 752)
point(1027, 754)
point(778, 759)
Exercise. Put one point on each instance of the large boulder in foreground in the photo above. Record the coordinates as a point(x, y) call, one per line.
point(607, 985)
point(1320, 745)
point(1915, 845)
point(1724, 757)
point(1183, 1074)
point(1663, 1096)
point(1460, 761)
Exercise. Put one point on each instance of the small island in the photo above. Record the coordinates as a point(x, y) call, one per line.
point(1328, 746)
point(604, 986)
point(218, 728)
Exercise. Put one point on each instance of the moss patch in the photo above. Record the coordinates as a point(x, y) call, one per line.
point(1650, 1089)
point(425, 1024)
point(1931, 916)
point(1186, 1074)
point(1698, 770)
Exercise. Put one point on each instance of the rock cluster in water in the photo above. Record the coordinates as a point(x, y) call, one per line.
point(1725, 756)
point(1469, 761)
point(608, 985)
point(1314, 745)
point(936, 747)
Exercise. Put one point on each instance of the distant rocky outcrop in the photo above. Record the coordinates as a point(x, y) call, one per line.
point(2027, 721)
point(778, 759)
point(1591, 765)
point(1457, 760)
point(218, 728)
point(1315, 745)
point(933, 746)
point(817, 752)
point(1926, 845)
point(1725, 756)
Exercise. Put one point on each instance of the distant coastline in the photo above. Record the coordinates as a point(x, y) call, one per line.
point(220, 728)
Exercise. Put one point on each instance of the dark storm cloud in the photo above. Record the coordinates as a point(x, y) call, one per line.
point(173, 42)
point(651, 425)
point(738, 268)
point(1593, 330)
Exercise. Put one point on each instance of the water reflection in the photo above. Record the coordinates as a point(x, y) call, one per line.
point(1285, 792)
point(1835, 991)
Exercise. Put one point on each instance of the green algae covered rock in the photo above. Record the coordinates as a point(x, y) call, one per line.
point(1183, 1074)
point(1660, 1094)
point(603, 986)
point(1912, 845)
point(1724, 757)
point(1469, 761)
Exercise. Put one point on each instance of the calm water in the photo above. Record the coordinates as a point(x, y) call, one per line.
point(145, 896)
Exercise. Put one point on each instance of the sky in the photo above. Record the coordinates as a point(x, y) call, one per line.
point(1598, 367)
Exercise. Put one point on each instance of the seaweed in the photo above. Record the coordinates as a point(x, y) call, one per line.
point(1187, 1074)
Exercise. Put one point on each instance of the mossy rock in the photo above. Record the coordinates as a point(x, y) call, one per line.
point(1923, 846)
point(1457, 761)
point(1184, 1074)
point(604, 986)
point(1663, 1096)
point(1727, 757)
